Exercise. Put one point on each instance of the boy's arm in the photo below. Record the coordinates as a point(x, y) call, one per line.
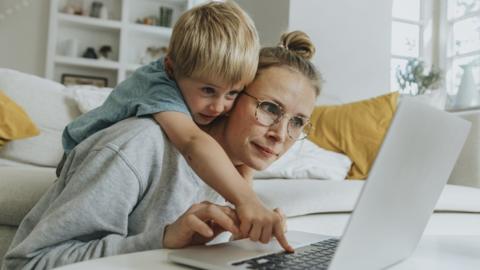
point(205, 156)
point(211, 163)
point(246, 172)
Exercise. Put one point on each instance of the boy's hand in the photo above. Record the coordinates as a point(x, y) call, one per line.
point(259, 223)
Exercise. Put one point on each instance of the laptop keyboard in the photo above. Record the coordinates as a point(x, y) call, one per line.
point(314, 256)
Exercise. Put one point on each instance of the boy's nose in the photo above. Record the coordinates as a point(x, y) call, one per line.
point(217, 106)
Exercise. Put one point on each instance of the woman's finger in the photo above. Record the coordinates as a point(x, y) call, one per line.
point(198, 226)
point(231, 213)
point(219, 216)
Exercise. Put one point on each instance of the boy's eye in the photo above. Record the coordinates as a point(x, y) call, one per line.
point(208, 91)
point(232, 94)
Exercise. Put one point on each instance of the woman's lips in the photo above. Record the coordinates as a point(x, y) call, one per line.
point(267, 152)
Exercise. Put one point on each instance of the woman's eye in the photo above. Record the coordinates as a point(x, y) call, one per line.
point(208, 91)
point(297, 122)
point(271, 108)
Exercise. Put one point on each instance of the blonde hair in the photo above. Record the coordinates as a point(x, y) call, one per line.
point(217, 40)
point(294, 51)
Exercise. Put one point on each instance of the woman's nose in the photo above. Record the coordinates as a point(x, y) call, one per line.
point(279, 130)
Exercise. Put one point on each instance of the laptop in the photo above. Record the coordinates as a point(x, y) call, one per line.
point(390, 215)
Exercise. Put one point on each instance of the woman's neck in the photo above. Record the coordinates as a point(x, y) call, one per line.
point(216, 129)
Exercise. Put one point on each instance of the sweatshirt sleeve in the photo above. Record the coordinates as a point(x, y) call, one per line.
point(84, 215)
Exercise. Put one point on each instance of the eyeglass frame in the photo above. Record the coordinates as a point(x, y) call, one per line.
point(306, 129)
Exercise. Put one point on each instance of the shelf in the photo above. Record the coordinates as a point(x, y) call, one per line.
point(71, 35)
point(85, 62)
point(151, 29)
point(89, 21)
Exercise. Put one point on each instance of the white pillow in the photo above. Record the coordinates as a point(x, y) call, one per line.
point(50, 108)
point(306, 160)
point(303, 197)
point(88, 97)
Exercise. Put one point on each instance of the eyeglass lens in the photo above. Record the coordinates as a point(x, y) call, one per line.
point(268, 113)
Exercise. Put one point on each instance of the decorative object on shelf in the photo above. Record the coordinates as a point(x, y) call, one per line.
point(90, 53)
point(468, 95)
point(150, 20)
point(95, 9)
point(165, 18)
point(73, 9)
point(152, 53)
point(104, 51)
point(70, 47)
point(19, 5)
point(74, 79)
point(414, 80)
point(103, 13)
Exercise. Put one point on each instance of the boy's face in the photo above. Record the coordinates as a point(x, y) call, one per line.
point(208, 99)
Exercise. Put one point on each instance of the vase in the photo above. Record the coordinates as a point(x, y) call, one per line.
point(468, 95)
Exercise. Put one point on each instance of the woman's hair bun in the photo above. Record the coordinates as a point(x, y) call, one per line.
point(298, 43)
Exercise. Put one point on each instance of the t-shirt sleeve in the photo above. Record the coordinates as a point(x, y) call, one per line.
point(83, 217)
point(161, 98)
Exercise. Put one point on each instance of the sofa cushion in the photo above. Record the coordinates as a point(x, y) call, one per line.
point(20, 189)
point(50, 108)
point(355, 129)
point(14, 121)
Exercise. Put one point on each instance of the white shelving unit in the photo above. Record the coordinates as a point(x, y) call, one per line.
point(128, 39)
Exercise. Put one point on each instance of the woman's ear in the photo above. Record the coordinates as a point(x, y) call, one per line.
point(168, 62)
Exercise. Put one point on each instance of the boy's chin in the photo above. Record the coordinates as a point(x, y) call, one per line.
point(201, 120)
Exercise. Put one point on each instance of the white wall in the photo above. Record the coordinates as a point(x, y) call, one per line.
point(352, 39)
point(270, 16)
point(353, 44)
point(23, 37)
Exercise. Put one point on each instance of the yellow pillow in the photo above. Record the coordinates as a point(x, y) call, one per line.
point(14, 121)
point(355, 129)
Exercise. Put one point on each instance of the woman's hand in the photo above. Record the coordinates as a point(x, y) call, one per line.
point(200, 224)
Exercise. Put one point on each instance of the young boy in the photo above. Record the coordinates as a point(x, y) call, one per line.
point(213, 54)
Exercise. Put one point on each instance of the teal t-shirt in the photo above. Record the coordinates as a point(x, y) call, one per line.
point(147, 91)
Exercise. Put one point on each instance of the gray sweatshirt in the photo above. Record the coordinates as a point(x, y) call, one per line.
point(116, 193)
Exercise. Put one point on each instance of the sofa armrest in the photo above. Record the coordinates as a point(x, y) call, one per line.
point(20, 189)
point(467, 169)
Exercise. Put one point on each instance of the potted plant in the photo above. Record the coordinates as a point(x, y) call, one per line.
point(414, 80)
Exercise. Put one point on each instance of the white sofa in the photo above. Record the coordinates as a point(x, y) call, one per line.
point(27, 167)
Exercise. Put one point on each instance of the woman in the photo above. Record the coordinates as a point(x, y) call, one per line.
point(125, 188)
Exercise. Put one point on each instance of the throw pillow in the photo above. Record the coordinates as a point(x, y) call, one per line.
point(355, 129)
point(14, 121)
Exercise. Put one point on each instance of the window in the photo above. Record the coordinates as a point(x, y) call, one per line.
point(445, 34)
point(407, 35)
point(463, 47)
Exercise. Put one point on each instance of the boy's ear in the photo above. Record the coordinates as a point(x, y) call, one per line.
point(169, 66)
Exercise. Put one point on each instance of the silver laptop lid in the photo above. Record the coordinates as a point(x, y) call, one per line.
point(404, 184)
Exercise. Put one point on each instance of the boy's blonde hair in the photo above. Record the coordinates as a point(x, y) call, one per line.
point(217, 40)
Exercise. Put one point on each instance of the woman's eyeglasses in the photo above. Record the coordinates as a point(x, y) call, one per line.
point(268, 113)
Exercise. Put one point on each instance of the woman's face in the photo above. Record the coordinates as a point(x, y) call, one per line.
point(248, 142)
